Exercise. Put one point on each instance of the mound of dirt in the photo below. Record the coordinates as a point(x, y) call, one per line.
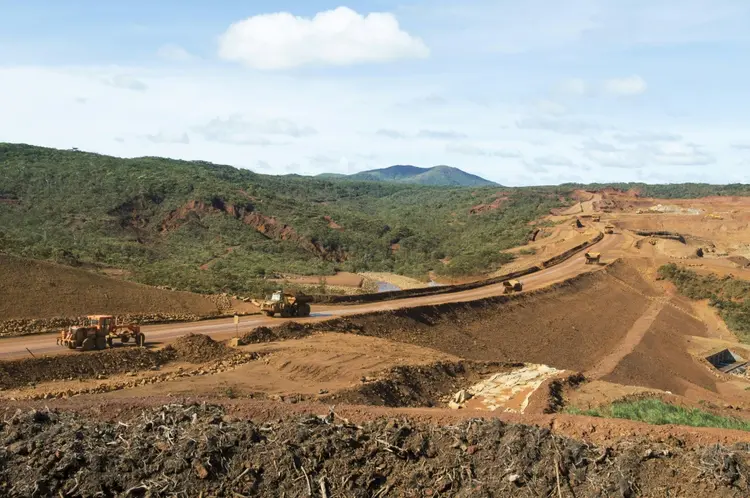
point(419, 385)
point(36, 289)
point(199, 348)
point(89, 365)
point(295, 330)
point(194, 450)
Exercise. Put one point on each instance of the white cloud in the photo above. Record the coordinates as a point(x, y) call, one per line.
point(681, 154)
point(166, 138)
point(573, 86)
point(388, 133)
point(441, 134)
point(473, 150)
point(571, 126)
point(550, 107)
point(741, 145)
point(647, 136)
point(235, 129)
point(127, 82)
point(174, 52)
point(625, 87)
point(336, 37)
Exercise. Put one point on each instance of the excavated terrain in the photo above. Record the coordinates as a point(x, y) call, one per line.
point(37, 296)
point(435, 395)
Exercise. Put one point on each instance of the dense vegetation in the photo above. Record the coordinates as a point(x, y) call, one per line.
point(730, 296)
point(657, 412)
point(205, 227)
point(445, 176)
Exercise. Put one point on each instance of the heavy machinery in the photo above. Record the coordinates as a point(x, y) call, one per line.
point(609, 229)
point(99, 332)
point(512, 286)
point(592, 258)
point(286, 304)
point(596, 218)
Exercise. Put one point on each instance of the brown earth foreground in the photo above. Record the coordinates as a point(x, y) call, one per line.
point(197, 450)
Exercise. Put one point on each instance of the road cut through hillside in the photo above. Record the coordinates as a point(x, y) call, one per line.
point(225, 328)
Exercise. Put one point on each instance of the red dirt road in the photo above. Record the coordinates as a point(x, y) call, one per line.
point(224, 328)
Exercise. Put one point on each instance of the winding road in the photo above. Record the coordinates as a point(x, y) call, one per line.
point(43, 344)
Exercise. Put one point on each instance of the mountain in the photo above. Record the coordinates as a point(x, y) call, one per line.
point(203, 227)
point(436, 176)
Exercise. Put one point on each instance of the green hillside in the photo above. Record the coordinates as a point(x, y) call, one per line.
point(437, 176)
point(205, 227)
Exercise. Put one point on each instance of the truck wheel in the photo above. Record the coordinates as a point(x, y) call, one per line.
point(109, 342)
point(125, 338)
point(303, 310)
point(89, 344)
point(269, 313)
point(101, 343)
point(71, 344)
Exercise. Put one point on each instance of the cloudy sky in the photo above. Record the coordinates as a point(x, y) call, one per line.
point(520, 92)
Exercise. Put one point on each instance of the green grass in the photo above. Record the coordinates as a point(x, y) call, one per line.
point(656, 412)
point(730, 296)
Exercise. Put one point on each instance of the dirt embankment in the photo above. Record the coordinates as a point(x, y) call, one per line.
point(37, 296)
point(419, 385)
point(197, 450)
point(569, 325)
point(93, 364)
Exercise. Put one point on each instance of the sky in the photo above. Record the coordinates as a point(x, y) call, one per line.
point(522, 93)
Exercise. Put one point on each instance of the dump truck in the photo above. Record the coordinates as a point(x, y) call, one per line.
point(99, 332)
point(609, 229)
point(512, 286)
point(592, 258)
point(286, 304)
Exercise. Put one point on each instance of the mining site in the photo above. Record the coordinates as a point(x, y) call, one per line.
point(514, 384)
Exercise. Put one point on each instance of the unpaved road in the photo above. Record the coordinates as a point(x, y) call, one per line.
point(224, 328)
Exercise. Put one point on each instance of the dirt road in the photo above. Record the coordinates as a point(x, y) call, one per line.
point(225, 328)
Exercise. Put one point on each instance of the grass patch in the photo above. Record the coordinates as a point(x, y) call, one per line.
point(730, 296)
point(657, 412)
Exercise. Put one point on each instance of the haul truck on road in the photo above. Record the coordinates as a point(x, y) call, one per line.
point(286, 304)
point(99, 332)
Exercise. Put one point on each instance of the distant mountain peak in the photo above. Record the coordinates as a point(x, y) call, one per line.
point(405, 173)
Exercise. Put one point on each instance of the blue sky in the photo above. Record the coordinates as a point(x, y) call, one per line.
point(533, 92)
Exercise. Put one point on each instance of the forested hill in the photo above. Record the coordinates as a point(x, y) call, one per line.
point(206, 227)
point(438, 175)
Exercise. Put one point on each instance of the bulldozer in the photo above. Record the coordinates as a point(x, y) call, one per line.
point(99, 332)
point(592, 258)
point(512, 286)
point(286, 304)
point(609, 229)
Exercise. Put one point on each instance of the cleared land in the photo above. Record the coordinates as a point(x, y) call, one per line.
point(372, 384)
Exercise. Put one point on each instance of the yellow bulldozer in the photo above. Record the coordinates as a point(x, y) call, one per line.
point(592, 258)
point(609, 229)
point(99, 332)
point(286, 304)
point(512, 286)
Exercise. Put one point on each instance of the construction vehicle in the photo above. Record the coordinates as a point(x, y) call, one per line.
point(609, 229)
point(596, 218)
point(286, 304)
point(592, 258)
point(99, 332)
point(512, 286)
